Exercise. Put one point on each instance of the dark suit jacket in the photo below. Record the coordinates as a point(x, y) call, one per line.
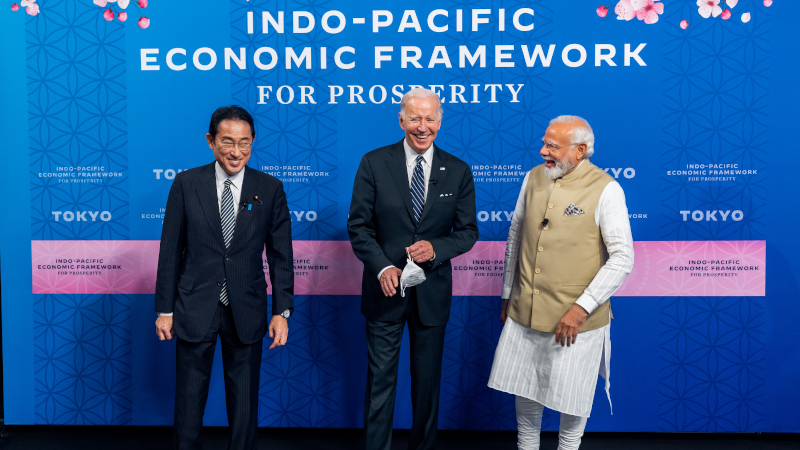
point(381, 226)
point(193, 260)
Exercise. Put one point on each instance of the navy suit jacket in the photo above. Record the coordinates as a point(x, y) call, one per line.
point(381, 226)
point(193, 260)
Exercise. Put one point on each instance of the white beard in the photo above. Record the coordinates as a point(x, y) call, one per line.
point(562, 168)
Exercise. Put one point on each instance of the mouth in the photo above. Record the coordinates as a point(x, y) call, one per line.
point(549, 162)
point(234, 162)
point(422, 137)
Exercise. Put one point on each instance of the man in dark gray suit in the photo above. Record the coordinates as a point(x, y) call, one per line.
point(218, 221)
point(409, 198)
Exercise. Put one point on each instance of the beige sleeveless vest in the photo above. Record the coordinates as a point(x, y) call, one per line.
point(558, 261)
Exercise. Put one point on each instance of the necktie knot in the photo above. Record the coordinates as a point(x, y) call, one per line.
point(228, 183)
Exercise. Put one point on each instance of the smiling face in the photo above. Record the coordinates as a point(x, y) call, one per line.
point(421, 122)
point(559, 154)
point(231, 145)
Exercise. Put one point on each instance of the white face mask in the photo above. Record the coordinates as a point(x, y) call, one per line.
point(412, 275)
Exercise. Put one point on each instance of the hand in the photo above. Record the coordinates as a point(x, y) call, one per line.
point(278, 331)
point(504, 312)
point(164, 328)
point(421, 251)
point(570, 325)
point(390, 279)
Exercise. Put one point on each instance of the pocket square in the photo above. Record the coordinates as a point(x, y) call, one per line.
point(573, 210)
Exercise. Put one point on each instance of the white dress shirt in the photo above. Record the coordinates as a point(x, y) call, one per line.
point(236, 190)
point(611, 216)
point(411, 164)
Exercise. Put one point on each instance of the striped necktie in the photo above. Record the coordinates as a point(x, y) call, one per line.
point(418, 190)
point(228, 222)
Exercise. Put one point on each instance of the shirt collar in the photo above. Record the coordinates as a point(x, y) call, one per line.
point(411, 155)
point(221, 176)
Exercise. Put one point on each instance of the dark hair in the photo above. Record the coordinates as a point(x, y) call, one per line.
point(232, 112)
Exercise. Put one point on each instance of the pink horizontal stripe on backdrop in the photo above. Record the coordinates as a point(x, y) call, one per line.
point(668, 268)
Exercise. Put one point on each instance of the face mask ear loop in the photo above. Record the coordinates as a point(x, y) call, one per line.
point(409, 255)
point(403, 288)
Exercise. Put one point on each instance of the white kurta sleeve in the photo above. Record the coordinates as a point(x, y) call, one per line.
point(514, 240)
point(612, 218)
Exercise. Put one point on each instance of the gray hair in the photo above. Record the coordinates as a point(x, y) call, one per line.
point(581, 131)
point(419, 93)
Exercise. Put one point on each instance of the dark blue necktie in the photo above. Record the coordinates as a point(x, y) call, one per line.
point(418, 190)
point(228, 222)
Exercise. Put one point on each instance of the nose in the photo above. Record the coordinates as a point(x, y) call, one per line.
point(422, 127)
point(544, 151)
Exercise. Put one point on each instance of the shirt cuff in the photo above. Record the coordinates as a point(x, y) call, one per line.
point(506, 292)
point(164, 314)
point(384, 270)
point(586, 302)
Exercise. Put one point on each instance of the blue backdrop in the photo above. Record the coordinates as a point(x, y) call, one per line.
point(78, 90)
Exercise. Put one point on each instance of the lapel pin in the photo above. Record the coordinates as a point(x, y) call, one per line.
point(257, 200)
point(441, 168)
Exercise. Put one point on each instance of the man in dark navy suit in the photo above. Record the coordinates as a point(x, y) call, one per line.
point(409, 198)
point(218, 221)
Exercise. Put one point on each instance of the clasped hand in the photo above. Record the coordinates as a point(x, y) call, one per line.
point(420, 252)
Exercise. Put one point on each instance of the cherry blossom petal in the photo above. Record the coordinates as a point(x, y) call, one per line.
point(705, 11)
point(108, 14)
point(144, 22)
point(25, 3)
point(123, 3)
point(33, 9)
point(142, 3)
point(746, 17)
point(767, 3)
point(639, 4)
point(122, 16)
point(100, 3)
point(601, 11)
point(659, 7)
point(707, 2)
point(14, 7)
point(624, 10)
point(717, 11)
point(732, 3)
point(651, 17)
point(684, 24)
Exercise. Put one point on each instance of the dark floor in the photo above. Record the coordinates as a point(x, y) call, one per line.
point(154, 438)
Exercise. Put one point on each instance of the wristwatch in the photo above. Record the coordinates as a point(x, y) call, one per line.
point(286, 314)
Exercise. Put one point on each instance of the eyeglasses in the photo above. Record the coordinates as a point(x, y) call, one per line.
point(555, 147)
point(228, 145)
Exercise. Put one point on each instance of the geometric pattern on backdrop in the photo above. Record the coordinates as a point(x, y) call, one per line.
point(495, 133)
point(295, 134)
point(77, 123)
point(300, 383)
point(715, 111)
point(82, 359)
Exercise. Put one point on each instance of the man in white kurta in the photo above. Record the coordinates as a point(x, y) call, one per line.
point(555, 300)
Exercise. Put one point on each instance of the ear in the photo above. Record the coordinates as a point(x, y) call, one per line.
point(210, 140)
point(400, 118)
point(580, 151)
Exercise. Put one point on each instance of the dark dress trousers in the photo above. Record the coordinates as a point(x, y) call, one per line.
point(381, 225)
point(192, 264)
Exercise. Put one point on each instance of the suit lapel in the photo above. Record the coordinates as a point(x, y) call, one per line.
point(399, 171)
point(249, 190)
point(207, 194)
point(434, 190)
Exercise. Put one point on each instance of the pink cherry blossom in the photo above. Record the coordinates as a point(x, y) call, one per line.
point(732, 3)
point(123, 3)
point(32, 9)
point(709, 8)
point(108, 15)
point(746, 17)
point(767, 3)
point(25, 3)
point(649, 12)
point(601, 11)
point(684, 24)
point(122, 16)
point(14, 7)
point(144, 22)
point(100, 3)
point(726, 14)
point(142, 3)
point(624, 10)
